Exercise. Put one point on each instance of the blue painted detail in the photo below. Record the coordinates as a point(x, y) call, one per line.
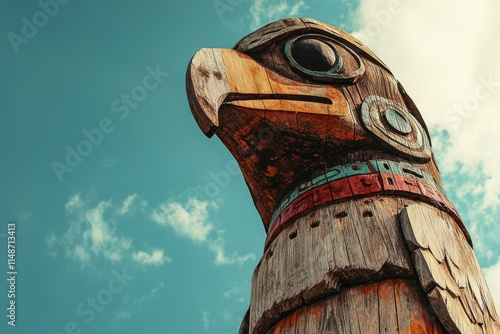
point(397, 122)
point(429, 179)
point(304, 185)
point(320, 180)
point(335, 173)
point(359, 168)
point(395, 167)
point(408, 169)
point(384, 166)
point(374, 164)
point(283, 206)
point(294, 195)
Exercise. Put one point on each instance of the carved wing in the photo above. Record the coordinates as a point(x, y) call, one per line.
point(449, 271)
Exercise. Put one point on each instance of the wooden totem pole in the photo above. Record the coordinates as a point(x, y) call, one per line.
point(361, 237)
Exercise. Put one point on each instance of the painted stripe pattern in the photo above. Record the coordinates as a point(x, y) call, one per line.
point(361, 179)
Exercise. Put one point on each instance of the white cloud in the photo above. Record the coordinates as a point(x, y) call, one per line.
point(98, 233)
point(92, 234)
point(151, 294)
point(206, 319)
point(265, 11)
point(221, 258)
point(231, 292)
point(156, 258)
point(445, 54)
point(492, 274)
point(75, 202)
point(127, 203)
point(235, 293)
point(191, 220)
point(154, 291)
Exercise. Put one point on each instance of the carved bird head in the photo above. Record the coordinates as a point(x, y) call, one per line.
point(298, 96)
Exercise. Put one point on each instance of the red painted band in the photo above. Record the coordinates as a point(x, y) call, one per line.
point(361, 186)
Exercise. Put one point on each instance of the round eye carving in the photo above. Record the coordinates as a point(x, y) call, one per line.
point(397, 122)
point(395, 128)
point(316, 55)
point(321, 58)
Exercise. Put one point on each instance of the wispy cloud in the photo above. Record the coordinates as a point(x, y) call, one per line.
point(234, 293)
point(90, 234)
point(265, 11)
point(93, 235)
point(191, 220)
point(127, 203)
point(156, 257)
point(206, 319)
point(74, 203)
point(151, 294)
point(154, 291)
point(221, 258)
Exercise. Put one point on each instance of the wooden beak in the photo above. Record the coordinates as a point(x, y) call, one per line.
point(224, 76)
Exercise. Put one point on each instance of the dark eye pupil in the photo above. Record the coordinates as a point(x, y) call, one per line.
point(313, 54)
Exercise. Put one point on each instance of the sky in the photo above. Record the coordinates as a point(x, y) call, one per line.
point(127, 218)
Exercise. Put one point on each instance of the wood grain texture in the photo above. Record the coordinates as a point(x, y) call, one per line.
point(389, 306)
point(448, 271)
point(348, 243)
point(205, 83)
point(311, 125)
point(271, 33)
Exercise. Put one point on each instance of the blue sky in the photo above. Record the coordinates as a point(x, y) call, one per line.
point(150, 228)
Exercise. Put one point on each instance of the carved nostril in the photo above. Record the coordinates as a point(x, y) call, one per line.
point(341, 215)
point(315, 224)
point(314, 54)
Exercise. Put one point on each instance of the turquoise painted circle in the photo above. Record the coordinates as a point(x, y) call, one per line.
point(397, 122)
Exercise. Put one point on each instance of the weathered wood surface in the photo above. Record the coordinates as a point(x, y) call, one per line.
point(342, 244)
point(340, 248)
point(448, 271)
point(281, 29)
point(273, 119)
point(386, 307)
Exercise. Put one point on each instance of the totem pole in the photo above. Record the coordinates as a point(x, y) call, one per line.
point(361, 237)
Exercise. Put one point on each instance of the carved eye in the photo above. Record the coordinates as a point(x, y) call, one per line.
point(323, 59)
point(395, 127)
point(316, 55)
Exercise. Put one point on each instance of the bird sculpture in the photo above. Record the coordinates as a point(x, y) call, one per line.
point(361, 237)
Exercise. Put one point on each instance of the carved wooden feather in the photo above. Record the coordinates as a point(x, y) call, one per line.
point(448, 271)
